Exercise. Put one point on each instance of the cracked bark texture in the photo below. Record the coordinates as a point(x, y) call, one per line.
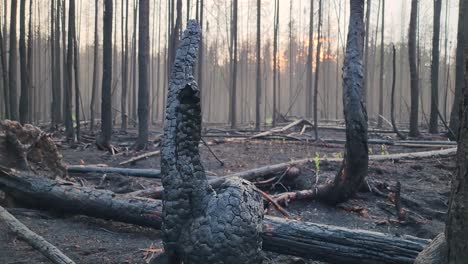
point(199, 224)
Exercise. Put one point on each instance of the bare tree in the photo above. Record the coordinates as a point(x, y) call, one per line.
point(275, 60)
point(24, 96)
point(460, 68)
point(4, 74)
point(68, 95)
point(29, 62)
point(12, 78)
point(433, 124)
point(92, 105)
point(366, 50)
point(201, 50)
point(103, 140)
point(143, 67)
point(233, 64)
point(414, 130)
point(317, 69)
point(382, 66)
point(259, 69)
point(309, 89)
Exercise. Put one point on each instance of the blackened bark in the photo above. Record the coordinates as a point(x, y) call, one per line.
point(317, 70)
point(29, 64)
point(4, 74)
point(233, 65)
point(434, 121)
point(68, 95)
point(310, 51)
point(143, 62)
point(76, 64)
point(198, 224)
point(24, 96)
point(382, 66)
point(456, 230)
point(414, 114)
point(103, 141)
point(366, 52)
point(460, 68)
point(12, 78)
point(92, 105)
point(123, 102)
point(392, 103)
point(356, 156)
point(258, 90)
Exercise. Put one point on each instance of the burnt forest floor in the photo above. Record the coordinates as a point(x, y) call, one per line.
point(89, 240)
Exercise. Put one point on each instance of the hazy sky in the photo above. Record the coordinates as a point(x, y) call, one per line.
point(217, 11)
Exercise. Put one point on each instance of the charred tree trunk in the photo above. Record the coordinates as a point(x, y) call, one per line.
point(103, 140)
point(143, 63)
point(366, 51)
point(451, 247)
point(392, 104)
point(68, 95)
point(460, 68)
point(233, 65)
point(356, 156)
point(4, 74)
point(24, 96)
point(317, 70)
point(434, 120)
point(29, 46)
point(275, 61)
point(190, 232)
point(12, 79)
point(309, 81)
point(258, 90)
point(92, 105)
point(123, 102)
point(382, 66)
point(414, 114)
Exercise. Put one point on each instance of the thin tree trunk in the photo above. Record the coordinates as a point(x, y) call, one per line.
point(414, 130)
point(95, 66)
point(275, 61)
point(31, 99)
point(103, 141)
point(62, 80)
point(434, 121)
point(309, 81)
point(12, 79)
point(366, 50)
point(76, 63)
point(233, 90)
point(68, 96)
point(201, 50)
point(392, 104)
point(317, 69)
point(382, 66)
point(24, 96)
point(460, 69)
point(259, 70)
point(4, 74)
point(143, 63)
point(134, 65)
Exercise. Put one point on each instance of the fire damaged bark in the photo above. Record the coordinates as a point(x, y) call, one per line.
point(200, 225)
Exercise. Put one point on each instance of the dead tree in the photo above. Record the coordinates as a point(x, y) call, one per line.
point(12, 78)
point(310, 51)
point(450, 247)
point(103, 140)
point(4, 74)
point(434, 120)
point(382, 66)
point(258, 89)
point(460, 68)
point(198, 224)
point(24, 95)
point(366, 51)
point(414, 113)
point(356, 157)
point(143, 78)
point(92, 105)
point(275, 61)
point(123, 101)
point(392, 100)
point(68, 93)
point(233, 65)
point(317, 69)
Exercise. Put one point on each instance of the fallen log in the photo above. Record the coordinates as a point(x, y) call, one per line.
point(250, 175)
point(145, 173)
point(140, 157)
point(33, 239)
point(38, 192)
point(328, 243)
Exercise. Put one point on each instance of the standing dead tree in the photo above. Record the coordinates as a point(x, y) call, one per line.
point(433, 124)
point(12, 78)
point(414, 114)
point(103, 140)
point(317, 69)
point(24, 95)
point(356, 157)
point(392, 103)
point(198, 223)
point(95, 60)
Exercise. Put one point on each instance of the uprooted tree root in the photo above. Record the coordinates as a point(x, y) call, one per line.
point(26, 147)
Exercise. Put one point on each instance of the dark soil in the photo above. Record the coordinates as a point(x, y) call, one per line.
point(88, 240)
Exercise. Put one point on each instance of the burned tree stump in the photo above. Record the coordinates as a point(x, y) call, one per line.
point(29, 148)
point(199, 224)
